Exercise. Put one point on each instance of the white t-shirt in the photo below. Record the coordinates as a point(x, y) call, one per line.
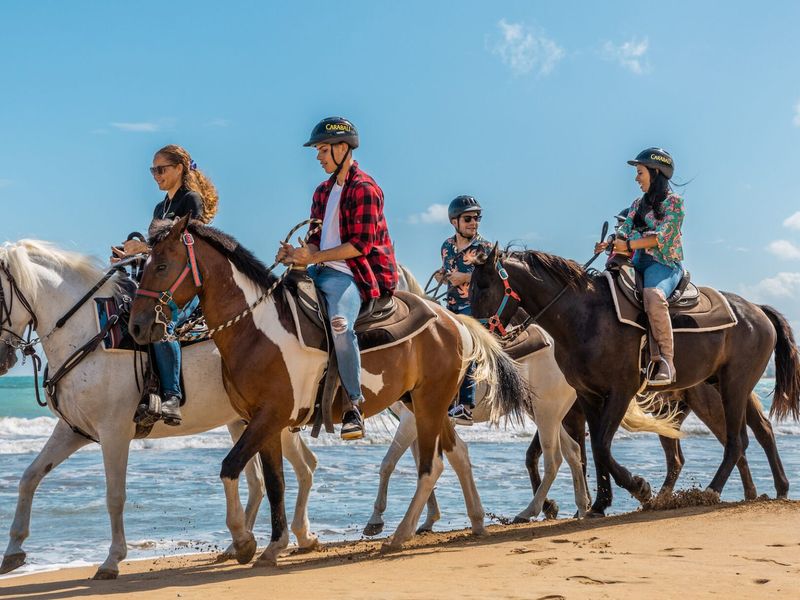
point(330, 238)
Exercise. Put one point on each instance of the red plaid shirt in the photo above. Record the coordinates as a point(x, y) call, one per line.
point(361, 222)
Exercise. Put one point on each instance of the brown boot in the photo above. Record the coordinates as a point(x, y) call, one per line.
point(657, 309)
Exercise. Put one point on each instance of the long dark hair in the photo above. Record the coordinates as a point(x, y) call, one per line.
point(654, 198)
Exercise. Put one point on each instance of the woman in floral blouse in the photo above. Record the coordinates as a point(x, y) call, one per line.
point(651, 234)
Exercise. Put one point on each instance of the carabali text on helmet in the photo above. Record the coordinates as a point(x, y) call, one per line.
point(337, 127)
point(660, 158)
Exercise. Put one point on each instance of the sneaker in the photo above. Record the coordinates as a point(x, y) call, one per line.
point(461, 414)
point(352, 425)
point(171, 411)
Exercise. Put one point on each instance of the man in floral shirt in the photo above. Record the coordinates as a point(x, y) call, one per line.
point(458, 255)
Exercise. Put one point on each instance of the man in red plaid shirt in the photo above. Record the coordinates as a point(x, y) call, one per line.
point(352, 257)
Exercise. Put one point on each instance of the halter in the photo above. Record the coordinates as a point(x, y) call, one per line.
point(494, 322)
point(6, 306)
point(166, 297)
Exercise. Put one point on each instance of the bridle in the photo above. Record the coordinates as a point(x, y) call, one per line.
point(166, 297)
point(6, 307)
point(495, 323)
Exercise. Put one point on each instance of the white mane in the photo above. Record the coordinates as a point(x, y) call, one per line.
point(22, 258)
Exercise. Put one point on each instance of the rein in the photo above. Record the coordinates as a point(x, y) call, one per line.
point(165, 297)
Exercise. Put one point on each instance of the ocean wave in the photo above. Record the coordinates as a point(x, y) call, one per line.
point(25, 436)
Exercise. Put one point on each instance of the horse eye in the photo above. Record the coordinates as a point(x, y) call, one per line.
point(161, 267)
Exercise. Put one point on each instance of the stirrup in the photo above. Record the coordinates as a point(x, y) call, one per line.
point(651, 373)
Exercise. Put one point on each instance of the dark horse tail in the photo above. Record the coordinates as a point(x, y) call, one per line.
point(508, 394)
point(786, 396)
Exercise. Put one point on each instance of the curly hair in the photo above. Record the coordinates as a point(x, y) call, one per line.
point(193, 179)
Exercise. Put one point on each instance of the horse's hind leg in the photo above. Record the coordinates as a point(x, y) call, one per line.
point(458, 458)
point(304, 463)
point(254, 474)
point(734, 400)
point(272, 460)
point(549, 428)
point(673, 453)
point(572, 453)
point(63, 442)
point(432, 506)
point(762, 429)
point(115, 449)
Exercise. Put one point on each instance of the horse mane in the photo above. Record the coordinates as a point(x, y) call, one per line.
point(569, 272)
point(413, 285)
point(22, 257)
point(244, 260)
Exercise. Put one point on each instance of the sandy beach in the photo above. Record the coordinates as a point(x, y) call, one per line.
point(738, 550)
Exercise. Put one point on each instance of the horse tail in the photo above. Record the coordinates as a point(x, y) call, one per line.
point(507, 394)
point(411, 282)
point(786, 395)
point(640, 417)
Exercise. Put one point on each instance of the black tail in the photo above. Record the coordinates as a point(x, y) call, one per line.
point(786, 400)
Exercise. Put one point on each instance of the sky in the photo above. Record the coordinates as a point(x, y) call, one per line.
point(533, 107)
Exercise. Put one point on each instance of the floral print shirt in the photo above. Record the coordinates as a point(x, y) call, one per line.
point(667, 230)
point(462, 261)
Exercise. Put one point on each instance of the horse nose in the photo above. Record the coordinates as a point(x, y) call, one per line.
point(136, 331)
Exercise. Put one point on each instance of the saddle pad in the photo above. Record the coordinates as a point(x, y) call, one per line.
point(117, 337)
point(413, 315)
point(526, 343)
point(712, 312)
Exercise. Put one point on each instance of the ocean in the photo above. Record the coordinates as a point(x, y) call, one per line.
point(175, 502)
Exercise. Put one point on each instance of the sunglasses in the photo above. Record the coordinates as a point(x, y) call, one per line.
point(159, 170)
point(471, 218)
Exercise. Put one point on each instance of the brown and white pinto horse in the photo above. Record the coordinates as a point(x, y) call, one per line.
point(273, 379)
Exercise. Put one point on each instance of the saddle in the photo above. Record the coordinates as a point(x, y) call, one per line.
point(525, 343)
point(382, 322)
point(693, 309)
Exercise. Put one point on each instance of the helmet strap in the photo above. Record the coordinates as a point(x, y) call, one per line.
point(338, 163)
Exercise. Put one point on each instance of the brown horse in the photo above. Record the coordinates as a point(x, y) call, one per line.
point(273, 378)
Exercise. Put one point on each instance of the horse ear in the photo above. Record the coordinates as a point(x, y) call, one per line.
point(494, 254)
point(179, 226)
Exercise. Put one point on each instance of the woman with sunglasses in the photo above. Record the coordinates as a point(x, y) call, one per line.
point(188, 192)
point(458, 254)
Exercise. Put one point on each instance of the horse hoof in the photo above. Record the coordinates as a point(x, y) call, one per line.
point(550, 510)
point(11, 562)
point(424, 529)
point(520, 520)
point(311, 545)
point(644, 491)
point(592, 514)
point(389, 546)
point(373, 529)
point(246, 550)
point(105, 575)
point(266, 560)
point(479, 530)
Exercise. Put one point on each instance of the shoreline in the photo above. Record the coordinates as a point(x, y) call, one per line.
point(739, 550)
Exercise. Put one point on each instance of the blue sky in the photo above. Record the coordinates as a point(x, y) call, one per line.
point(533, 107)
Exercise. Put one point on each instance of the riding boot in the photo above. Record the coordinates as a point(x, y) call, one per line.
point(171, 410)
point(661, 370)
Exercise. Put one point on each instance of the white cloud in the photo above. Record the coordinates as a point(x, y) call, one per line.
point(434, 214)
point(793, 222)
point(783, 285)
point(796, 119)
point(140, 127)
point(630, 55)
point(525, 50)
point(784, 249)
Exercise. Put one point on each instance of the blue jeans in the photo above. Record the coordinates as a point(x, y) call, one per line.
point(656, 274)
point(466, 393)
point(343, 301)
point(168, 354)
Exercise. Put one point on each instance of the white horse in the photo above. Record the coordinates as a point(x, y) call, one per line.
point(100, 395)
point(552, 397)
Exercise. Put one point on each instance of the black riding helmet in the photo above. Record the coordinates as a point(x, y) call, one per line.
point(460, 205)
point(334, 130)
point(655, 158)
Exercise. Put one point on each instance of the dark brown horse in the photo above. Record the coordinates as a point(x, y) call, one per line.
point(273, 378)
point(599, 356)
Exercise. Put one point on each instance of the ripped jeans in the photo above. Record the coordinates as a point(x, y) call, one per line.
point(343, 301)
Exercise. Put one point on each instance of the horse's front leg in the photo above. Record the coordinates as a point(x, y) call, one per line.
point(304, 463)
point(272, 459)
point(254, 474)
point(63, 442)
point(115, 447)
point(404, 436)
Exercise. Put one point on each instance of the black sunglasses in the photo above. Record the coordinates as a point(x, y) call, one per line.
point(159, 170)
point(470, 218)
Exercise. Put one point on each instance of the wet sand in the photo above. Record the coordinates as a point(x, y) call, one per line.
point(742, 550)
